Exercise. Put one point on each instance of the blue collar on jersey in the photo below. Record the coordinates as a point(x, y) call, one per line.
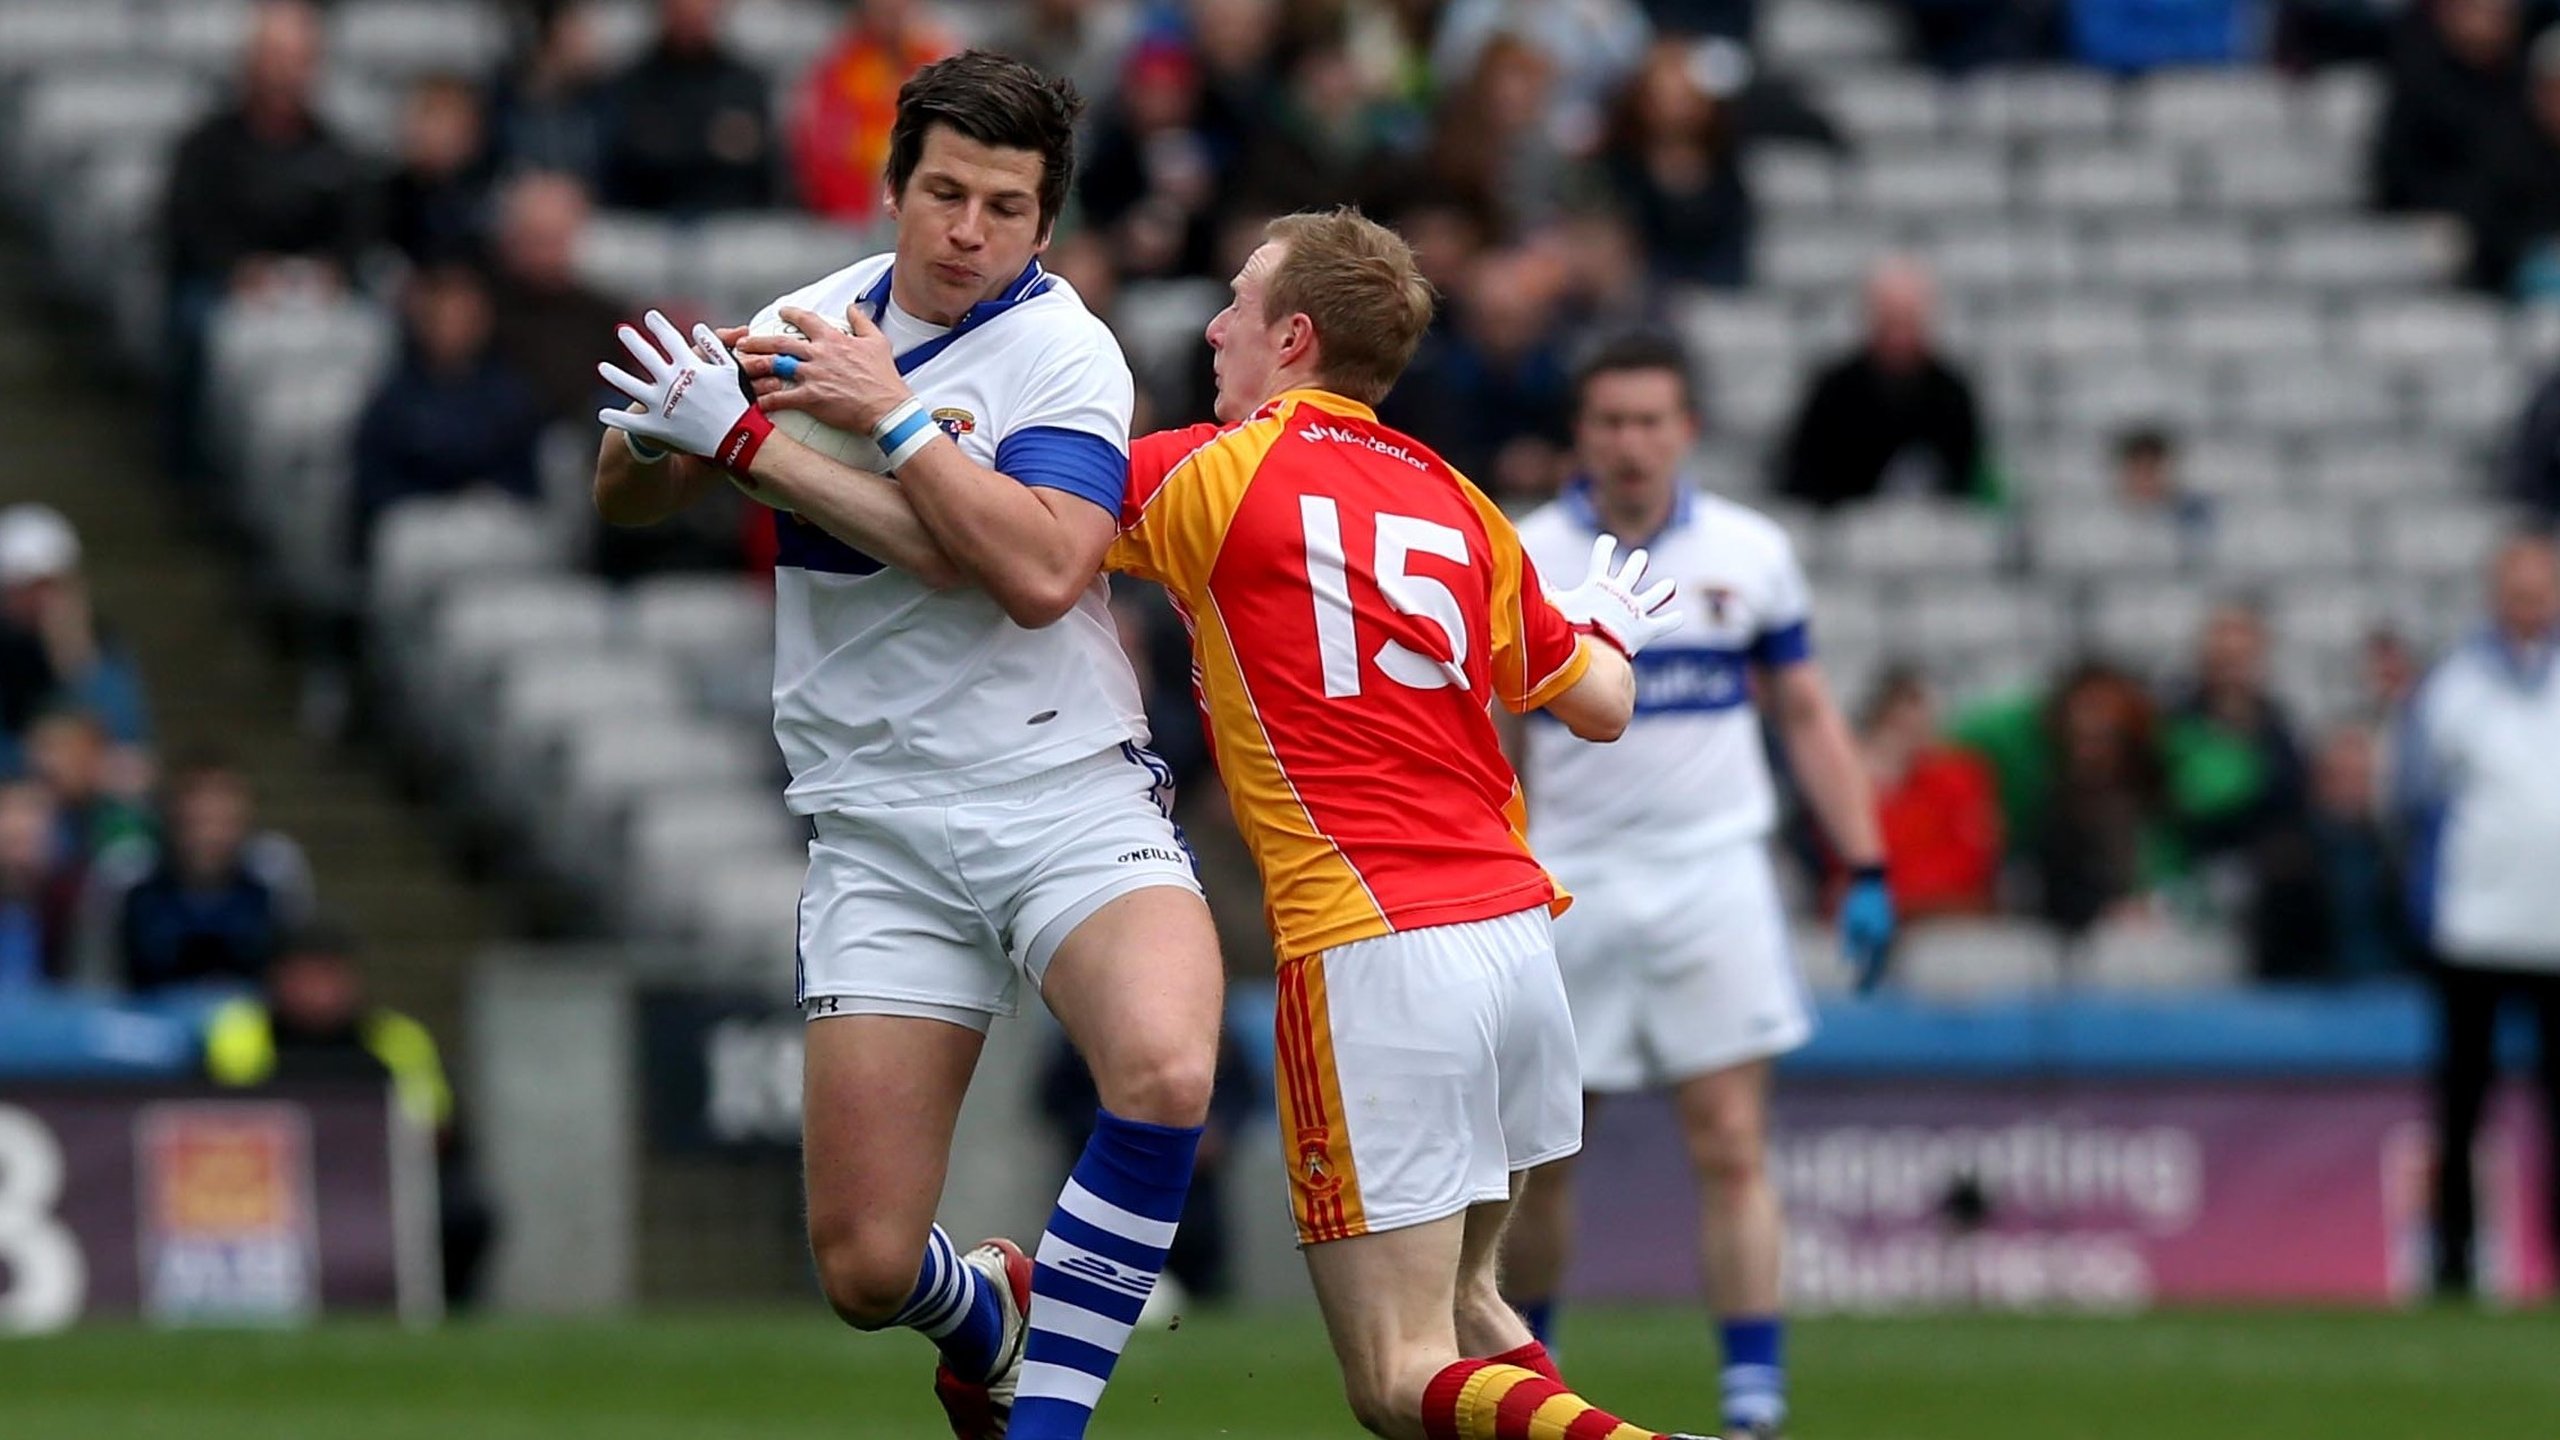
point(1578, 503)
point(1032, 281)
point(2527, 667)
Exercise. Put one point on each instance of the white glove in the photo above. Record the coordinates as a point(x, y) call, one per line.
point(1609, 604)
point(693, 400)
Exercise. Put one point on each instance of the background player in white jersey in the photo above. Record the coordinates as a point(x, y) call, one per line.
point(1676, 958)
point(964, 733)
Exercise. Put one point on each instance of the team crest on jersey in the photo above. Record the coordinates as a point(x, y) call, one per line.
point(1315, 1163)
point(955, 422)
point(1717, 597)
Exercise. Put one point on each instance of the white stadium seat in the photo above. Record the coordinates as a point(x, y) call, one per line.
point(2102, 180)
point(2055, 104)
point(1975, 959)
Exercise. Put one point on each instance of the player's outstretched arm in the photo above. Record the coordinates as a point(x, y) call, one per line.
point(1033, 549)
point(1824, 756)
point(1599, 705)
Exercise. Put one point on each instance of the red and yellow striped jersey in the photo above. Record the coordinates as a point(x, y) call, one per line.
point(1356, 607)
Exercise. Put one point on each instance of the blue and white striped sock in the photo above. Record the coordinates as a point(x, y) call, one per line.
point(1755, 1373)
point(1097, 1265)
point(955, 1308)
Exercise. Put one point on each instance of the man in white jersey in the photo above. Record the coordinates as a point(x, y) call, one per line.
point(965, 735)
point(1675, 956)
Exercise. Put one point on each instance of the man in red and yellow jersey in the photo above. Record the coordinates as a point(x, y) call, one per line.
point(1357, 608)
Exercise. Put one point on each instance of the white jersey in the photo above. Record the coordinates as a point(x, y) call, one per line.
point(885, 690)
point(1690, 773)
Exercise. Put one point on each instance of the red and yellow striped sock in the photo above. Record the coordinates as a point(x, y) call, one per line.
point(1483, 1400)
point(1532, 1357)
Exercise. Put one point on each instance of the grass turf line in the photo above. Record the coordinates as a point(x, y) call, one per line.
point(767, 1376)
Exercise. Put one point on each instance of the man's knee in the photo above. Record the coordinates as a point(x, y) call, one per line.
point(1166, 1084)
point(1728, 1148)
point(867, 1276)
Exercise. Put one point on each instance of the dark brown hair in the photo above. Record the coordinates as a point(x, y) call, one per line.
point(994, 100)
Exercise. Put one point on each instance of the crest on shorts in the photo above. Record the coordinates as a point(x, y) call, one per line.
point(955, 422)
point(1315, 1173)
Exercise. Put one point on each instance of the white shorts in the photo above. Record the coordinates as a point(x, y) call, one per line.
point(1676, 970)
point(1419, 1071)
point(937, 908)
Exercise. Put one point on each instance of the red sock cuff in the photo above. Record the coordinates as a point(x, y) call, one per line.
point(1534, 1358)
point(1440, 1400)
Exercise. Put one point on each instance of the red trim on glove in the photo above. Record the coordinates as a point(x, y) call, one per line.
point(738, 448)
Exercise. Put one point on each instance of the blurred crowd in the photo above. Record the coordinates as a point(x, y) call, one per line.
point(1561, 165)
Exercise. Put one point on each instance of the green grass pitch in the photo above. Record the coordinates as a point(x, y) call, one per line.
point(795, 1376)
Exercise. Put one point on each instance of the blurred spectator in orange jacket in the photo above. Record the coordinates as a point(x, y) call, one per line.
point(1939, 805)
point(840, 123)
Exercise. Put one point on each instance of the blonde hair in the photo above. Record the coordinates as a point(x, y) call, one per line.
point(1356, 281)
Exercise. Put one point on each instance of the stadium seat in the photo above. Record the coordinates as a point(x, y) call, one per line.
point(749, 919)
point(739, 263)
point(1792, 178)
point(1897, 538)
point(1898, 182)
point(2352, 471)
point(50, 37)
point(2467, 403)
point(2245, 177)
point(2253, 327)
point(671, 835)
point(205, 36)
point(2054, 104)
point(414, 37)
point(693, 619)
point(2063, 329)
point(2176, 257)
point(1823, 256)
point(2427, 329)
point(2359, 256)
point(2270, 540)
point(504, 751)
point(251, 346)
point(2209, 107)
point(2435, 541)
point(782, 37)
point(2004, 258)
point(2108, 396)
point(1755, 402)
point(1160, 323)
point(1958, 624)
point(2102, 180)
point(1805, 36)
point(65, 118)
point(2330, 615)
point(1729, 331)
point(471, 631)
point(424, 545)
point(362, 110)
point(628, 255)
point(2158, 957)
point(2144, 625)
point(2234, 470)
point(607, 762)
point(1897, 107)
point(2342, 104)
point(2281, 397)
point(1975, 959)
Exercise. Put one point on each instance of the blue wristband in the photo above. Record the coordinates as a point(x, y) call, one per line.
point(901, 429)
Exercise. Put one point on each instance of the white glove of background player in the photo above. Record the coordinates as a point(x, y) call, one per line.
point(1609, 605)
point(693, 400)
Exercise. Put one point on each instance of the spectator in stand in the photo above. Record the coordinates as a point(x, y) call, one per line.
point(548, 114)
point(1491, 144)
point(312, 1021)
point(1151, 180)
point(2533, 457)
point(2455, 118)
point(1592, 46)
point(1938, 806)
point(1609, 289)
point(452, 417)
point(1237, 43)
point(2515, 222)
point(435, 205)
point(2147, 483)
point(548, 325)
point(2389, 673)
point(38, 893)
point(1494, 389)
point(1323, 142)
point(100, 789)
point(262, 200)
point(1673, 159)
point(1892, 417)
point(2104, 845)
point(2365, 919)
point(840, 122)
point(688, 128)
point(53, 652)
point(1081, 40)
point(209, 903)
point(2242, 791)
point(2479, 785)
